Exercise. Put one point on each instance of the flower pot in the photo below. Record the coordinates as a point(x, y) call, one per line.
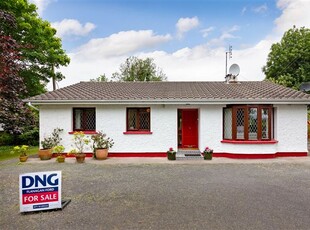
point(23, 158)
point(207, 156)
point(171, 156)
point(101, 154)
point(45, 154)
point(61, 159)
point(80, 157)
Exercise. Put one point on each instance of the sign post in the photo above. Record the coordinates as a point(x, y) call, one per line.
point(40, 191)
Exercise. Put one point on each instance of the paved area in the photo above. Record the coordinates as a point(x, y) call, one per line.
point(153, 193)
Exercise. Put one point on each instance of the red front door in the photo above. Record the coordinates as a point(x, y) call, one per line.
point(190, 128)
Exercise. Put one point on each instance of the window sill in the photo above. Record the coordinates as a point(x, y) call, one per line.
point(138, 132)
point(250, 142)
point(85, 132)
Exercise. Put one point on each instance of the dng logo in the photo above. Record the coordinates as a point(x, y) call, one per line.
point(36, 181)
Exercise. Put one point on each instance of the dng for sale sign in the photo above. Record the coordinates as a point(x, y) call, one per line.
point(40, 191)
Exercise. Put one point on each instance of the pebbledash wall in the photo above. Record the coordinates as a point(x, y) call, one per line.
point(290, 130)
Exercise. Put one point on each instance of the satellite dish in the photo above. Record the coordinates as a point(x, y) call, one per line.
point(234, 70)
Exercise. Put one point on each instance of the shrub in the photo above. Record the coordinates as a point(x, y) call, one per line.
point(30, 137)
point(6, 139)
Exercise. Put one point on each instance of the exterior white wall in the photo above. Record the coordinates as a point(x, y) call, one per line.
point(290, 128)
point(112, 121)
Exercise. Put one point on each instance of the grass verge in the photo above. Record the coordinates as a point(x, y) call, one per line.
point(5, 152)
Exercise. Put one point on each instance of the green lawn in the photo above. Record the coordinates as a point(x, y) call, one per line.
point(5, 152)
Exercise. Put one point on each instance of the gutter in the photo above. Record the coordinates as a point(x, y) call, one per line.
point(30, 105)
point(168, 102)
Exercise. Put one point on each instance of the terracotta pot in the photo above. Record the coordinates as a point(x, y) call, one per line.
point(45, 154)
point(80, 157)
point(101, 154)
point(61, 159)
point(23, 158)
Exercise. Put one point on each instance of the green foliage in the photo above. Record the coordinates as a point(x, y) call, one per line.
point(135, 69)
point(6, 139)
point(5, 152)
point(20, 150)
point(30, 137)
point(101, 141)
point(101, 78)
point(288, 62)
point(40, 49)
point(53, 140)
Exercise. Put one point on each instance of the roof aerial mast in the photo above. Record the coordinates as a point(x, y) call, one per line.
point(230, 56)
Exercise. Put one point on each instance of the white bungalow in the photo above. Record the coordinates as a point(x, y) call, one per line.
point(237, 120)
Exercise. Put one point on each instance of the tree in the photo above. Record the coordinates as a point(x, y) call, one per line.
point(135, 69)
point(40, 49)
point(288, 62)
point(101, 78)
point(13, 114)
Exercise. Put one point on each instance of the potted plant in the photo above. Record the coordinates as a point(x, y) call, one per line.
point(101, 145)
point(79, 141)
point(59, 149)
point(171, 154)
point(45, 153)
point(207, 153)
point(22, 151)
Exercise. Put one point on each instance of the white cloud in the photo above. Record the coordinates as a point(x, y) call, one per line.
point(227, 34)
point(122, 43)
point(261, 9)
point(68, 27)
point(41, 4)
point(295, 12)
point(206, 32)
point(186, 24)
point(200, 63)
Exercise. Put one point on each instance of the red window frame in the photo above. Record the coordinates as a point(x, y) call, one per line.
point(83, 121)
point(138, 112)
point(246, 122)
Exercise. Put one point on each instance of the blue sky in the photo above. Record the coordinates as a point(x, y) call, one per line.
point(186, 38)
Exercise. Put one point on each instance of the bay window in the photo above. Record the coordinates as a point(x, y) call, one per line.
point(247, 122)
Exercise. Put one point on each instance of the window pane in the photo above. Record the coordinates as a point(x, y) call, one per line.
point(227, 123)
point(252, 124)
point(77, 119)
point(132, 119)
point(265, 123)
point(144, 119)
point(240, 123)
point(90, 119)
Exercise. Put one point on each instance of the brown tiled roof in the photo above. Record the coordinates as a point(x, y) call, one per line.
point(207, 92)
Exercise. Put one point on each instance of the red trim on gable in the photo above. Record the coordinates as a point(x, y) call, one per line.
point(250, 142)
point(138, 132)
point(85, 132)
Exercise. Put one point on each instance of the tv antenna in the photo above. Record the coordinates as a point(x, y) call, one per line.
point(230, 56)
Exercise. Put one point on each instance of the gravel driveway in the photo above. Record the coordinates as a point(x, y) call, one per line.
point(233, 195)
